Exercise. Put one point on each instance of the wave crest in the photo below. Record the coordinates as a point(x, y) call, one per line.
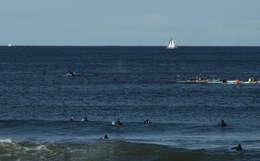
point(107, 151)
point(6, 141)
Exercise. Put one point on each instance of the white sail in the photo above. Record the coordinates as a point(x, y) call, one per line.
point(9, 45)
point(171, 44)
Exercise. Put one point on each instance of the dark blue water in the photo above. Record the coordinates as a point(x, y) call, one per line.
point(133, 84)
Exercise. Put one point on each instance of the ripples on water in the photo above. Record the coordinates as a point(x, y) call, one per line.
point(133, 84)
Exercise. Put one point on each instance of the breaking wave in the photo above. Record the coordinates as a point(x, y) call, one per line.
point(109, 151)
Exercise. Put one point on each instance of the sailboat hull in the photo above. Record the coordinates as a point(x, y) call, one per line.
point(170, 48)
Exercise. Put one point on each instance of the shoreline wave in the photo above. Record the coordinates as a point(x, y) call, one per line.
point(110, 150)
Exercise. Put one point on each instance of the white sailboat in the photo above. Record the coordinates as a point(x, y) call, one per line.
point(9, 45)
point(171, 44)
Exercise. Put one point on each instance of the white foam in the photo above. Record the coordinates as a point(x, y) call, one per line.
point(37, 148)
point(41, 147)
point(6, 141)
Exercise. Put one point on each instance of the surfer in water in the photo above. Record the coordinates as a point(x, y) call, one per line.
point(224, 81)
point(71, 118)
point(84, 119)
point(104, 137)
point(237, 148)
point(192, 79)
point(222, 124)
point(117, 123)
point(147, 121)
point(71, 74)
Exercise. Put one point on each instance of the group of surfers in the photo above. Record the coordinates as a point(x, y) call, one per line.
point(115, 123)
point(202, 80)
point(238, 147)
point(118, 123)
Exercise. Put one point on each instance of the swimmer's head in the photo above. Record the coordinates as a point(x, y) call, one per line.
point(71, 118)
point(105, 137)
point(147, 121)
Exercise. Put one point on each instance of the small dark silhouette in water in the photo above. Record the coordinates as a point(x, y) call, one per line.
point(71, 74)
point(222, 123)
point(117, 123)
point(105, 137)
point(192, 79)
point(237, 148)
point(147, 121)
point(71, 118)
point(84, 119)
point(224, 81)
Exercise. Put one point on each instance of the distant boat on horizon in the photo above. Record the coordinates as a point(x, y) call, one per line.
point(171, 45)
point(9, 45)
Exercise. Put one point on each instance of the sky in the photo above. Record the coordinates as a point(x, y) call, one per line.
point(134, 22)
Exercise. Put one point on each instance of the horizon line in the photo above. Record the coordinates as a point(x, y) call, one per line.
point(71, 45)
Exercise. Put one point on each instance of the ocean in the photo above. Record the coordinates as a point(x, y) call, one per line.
point(133, 84)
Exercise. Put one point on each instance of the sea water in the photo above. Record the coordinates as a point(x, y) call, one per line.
point(133, 84)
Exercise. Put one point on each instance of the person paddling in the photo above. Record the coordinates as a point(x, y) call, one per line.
point(104, 137)
point(117, 123)
point(237, 148)
point(222, 124)
point(147, 121)
point(84, 119)
point(71, 118)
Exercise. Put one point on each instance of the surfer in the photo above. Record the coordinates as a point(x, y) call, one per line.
point(104, 137)
point(237, 148)
point(224, 81)
point(71, 74)
point(71, 118)
point(147, 121)
point(192, 79)
point(117, 123)
point(84, 119)
point(222, 123)
point(252, 80)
